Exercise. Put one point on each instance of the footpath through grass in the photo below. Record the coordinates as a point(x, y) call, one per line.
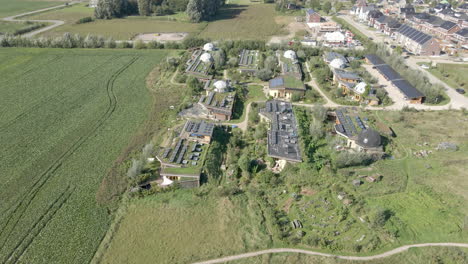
point(66, 116)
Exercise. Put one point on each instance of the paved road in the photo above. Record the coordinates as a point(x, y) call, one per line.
point(314, 253)
point(457, 101)
point(55, 23)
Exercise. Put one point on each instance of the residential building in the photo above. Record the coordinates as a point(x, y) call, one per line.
point(359, 136)
point(387, 25)
point(283, 136)
point(285, 87)
point(313, 17)
point(199, 131)
point(372, 16)
point(461, 38)
point(417, 42)
point(199, 65)
point(219, 105)
point(248, 61)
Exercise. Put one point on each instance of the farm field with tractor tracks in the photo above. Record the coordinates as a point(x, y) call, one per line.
point(66, 117)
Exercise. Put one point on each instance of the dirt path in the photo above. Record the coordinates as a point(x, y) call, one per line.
point(314, 253)
point(242, 125)
point(55, 23)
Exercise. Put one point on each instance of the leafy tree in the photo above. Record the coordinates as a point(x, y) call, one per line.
point(232, 62)
point(107, 9)
point(219, 58)
point(195, 10)
point(271, 63)
point(144, 7)
point(327, 7)
point(264, 74)
point(194, 85)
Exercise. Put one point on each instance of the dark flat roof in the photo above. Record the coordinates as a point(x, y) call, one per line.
point(407, 89)
point(374, 59)
point(283, 141)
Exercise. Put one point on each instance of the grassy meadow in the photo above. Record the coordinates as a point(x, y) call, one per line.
point(183, 227)
point(235, 21)
point(14, 27)
point(119, 29)
point(452, 74)
point(66, 117)
point(16, 7)
point(256, 22)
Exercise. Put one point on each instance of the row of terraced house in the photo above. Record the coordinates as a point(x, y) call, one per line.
point(445, 29)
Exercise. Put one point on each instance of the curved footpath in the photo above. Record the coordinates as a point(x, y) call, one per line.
point(314, 253)
point(55, 23)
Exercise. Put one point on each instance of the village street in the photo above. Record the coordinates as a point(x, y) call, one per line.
point(457, 101)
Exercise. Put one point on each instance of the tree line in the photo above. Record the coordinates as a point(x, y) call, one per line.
point(197, 10)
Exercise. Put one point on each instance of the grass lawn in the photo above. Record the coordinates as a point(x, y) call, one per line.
point(119, 29)
point(255, 94)
point(292, 82)
point(67, 115)
point(452, 74)
point(181, 227)
point(16, 7)
point(255, 22)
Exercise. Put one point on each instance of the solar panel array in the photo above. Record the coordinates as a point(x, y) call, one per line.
point(247, 57)
point(276, 82)
point(360, 123)
point(388, 72)
point(176, 151)
point(414, 34)
point(408, 90)
point(182, 153)
point(347, 126)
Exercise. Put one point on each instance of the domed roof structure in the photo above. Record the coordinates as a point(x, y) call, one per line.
point(208, 47)
point(360, 88)
point(206, 57)
point(369, 138)
point(337, 63)
point(220, 86)
point(290, 54)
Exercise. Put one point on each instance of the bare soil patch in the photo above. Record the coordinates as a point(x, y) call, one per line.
point(161, 37)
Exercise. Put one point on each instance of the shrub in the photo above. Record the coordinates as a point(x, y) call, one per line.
point(84, 20)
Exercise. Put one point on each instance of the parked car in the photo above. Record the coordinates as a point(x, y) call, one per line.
point(425, 66)
point(460, 91)
point(406, 57)
point(370, 38)
point(386, 42)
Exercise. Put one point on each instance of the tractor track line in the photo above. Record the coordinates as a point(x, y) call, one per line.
point(47, 216)
point(57, 164)
point(48, 98)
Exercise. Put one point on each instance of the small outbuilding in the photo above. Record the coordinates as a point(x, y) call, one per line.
point(338, 63)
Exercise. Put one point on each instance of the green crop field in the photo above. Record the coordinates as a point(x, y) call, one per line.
point(16, 7)
point(256, 22)
point(66, 117)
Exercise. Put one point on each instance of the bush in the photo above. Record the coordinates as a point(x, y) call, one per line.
point(264, 74)
point(84, 20)
point(347, 159)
